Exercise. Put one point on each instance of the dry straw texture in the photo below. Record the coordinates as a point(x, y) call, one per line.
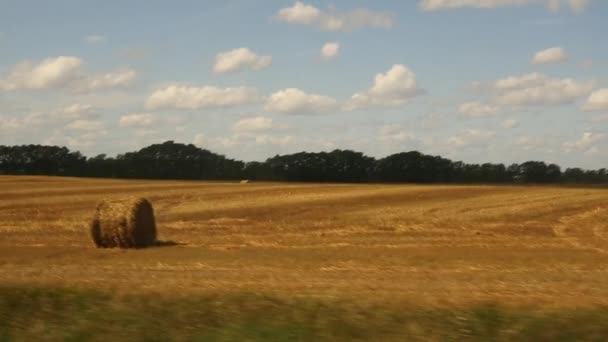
point(124, 223)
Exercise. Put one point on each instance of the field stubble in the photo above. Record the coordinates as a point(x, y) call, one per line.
point(432, 246)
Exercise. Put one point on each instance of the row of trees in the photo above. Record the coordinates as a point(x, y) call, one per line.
point(171, 160)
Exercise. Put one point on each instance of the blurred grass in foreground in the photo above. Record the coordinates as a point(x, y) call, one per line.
point(76, 315)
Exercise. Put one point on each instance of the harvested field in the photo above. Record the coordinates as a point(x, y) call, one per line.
point(435, 247)
point(423, 243)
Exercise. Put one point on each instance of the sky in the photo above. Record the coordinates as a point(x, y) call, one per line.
point(473, 80)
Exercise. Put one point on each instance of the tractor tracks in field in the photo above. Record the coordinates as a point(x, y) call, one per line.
point(585, 230)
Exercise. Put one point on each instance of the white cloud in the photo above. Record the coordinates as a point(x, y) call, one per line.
point(74, 141)
point(330, 50)
point(9, 124)
point(136, 119)
point(182, 97)
point(394, 133)
point(273, 140)
point(552, 5)
point(598, 100)
point(53, 118)
point(510, 123)
point(471, 137)
point(95, 39)
point(258, 123)
point(246, 140)
point(333, 20)
point(229, 141)
point(39, 118)
point(395, 87)
point(578, 5)
point(199, 140)
point(62, 72)
point(111, 80)
point(515, 82)
point(477, 109)
point(528, 90)
point(77, 109)
point(536, 90)
point(238, 60)
point(552, 55)
point(528, 143)
point(523, 141)
point(586, 143)
point(85, 125)
point(593, 150)
point(295, 101)
point(434, 5)
point(51, 72)
point(73, 112)
point(299, 13)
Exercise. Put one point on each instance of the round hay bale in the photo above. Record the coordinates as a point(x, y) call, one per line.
point(127, 223)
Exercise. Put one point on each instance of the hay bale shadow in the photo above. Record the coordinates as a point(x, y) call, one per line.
point(167, 243)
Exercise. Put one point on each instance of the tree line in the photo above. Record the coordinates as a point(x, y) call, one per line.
point(171, 160)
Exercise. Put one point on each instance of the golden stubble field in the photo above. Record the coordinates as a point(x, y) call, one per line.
point(429, 245)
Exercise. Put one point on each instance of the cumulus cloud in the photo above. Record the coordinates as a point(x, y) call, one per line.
point(537, 89)
point(73, 112)
point(9, 124)
point(471, 137)
point(333, 20)
point(85, 125)
point(578, 5)
point(244, 140)
point(61, 72)
point(199, 140)
point(265, 139)
point(528, 90)
point(183, 97)
point(598, 100)
point(77, 109)
point(258, 123)
point(296, 101)
point(394, 133)
point(238, 60)
point(75, 140)
point(552, 5)
point(477, 109)
point(53, 118)
point(528, 143)
point(586, 143)
point(137, 119)
point(395, 87)
point(552, 55)
point(330, 50)
point(111, 80)
point(51, 72)
point(299, 13)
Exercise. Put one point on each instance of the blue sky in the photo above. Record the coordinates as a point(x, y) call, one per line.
point(473, 80)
